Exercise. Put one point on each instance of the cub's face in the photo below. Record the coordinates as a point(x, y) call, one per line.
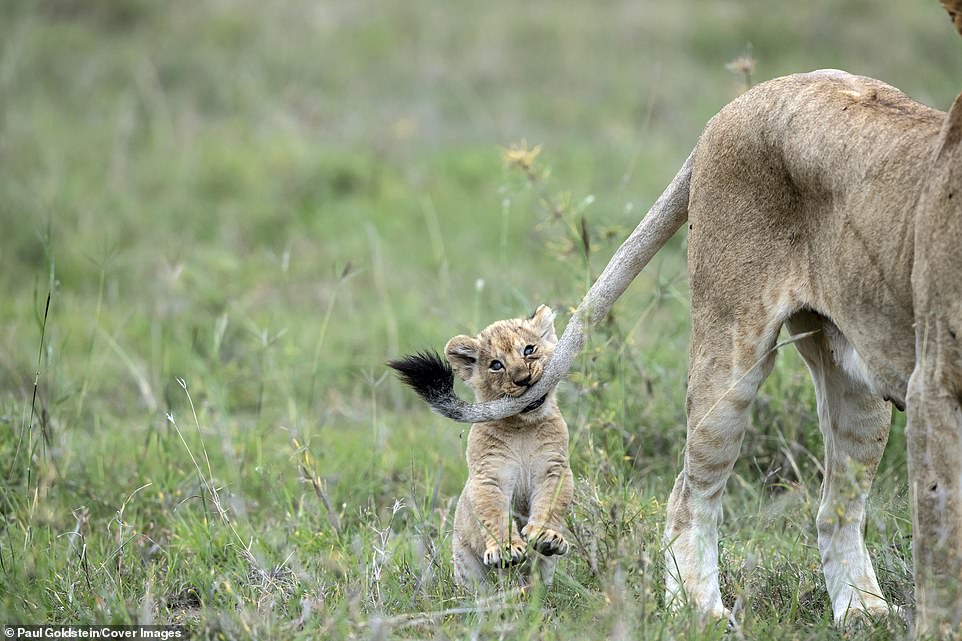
point(507, 357)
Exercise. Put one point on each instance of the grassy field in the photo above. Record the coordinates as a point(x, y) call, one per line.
point(240, 210)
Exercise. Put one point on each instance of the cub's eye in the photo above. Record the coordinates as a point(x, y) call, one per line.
point(528, 350)
point(496, 366)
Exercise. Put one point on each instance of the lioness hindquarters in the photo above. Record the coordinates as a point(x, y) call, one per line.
point(775, 195)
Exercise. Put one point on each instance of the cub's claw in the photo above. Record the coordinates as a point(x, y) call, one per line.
point(498, 557)
point(545, 540)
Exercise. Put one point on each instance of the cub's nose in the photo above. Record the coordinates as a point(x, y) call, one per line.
point(522, 379)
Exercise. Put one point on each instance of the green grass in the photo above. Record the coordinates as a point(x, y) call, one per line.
point(241, 211)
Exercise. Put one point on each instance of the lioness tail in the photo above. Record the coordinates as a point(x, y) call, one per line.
point(427, 374)
point(432, 378)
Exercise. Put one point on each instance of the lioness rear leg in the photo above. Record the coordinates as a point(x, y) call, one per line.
point(726, 369)
point(855, 426)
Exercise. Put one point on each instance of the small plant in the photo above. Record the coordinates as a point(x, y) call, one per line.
point(744, 67)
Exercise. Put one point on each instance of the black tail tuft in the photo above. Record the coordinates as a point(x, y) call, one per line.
point(427, 374)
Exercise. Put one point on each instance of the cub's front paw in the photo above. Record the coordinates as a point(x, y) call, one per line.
point(545, 540)
point(501, 557)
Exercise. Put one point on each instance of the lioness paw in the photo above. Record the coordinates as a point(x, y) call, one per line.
point(499, 557)
point(545, 540)
point(856, 618)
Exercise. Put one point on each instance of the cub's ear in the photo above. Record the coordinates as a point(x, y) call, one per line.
point(462, 353)
point(543, 319)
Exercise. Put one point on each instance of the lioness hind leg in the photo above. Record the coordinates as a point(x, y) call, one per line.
point(855, 426)
point(725, 372)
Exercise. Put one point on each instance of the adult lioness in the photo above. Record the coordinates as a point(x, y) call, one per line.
point(830, 204)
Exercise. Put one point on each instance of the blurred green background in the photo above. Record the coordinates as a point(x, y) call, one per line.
point(268, 200)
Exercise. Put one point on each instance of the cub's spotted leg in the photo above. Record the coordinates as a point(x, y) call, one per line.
point(502, 543)
point(550, 501)
point(855, 426)
point(725, 372)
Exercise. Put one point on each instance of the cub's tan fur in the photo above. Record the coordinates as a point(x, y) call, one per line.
point(519, 483)
point(831, 205)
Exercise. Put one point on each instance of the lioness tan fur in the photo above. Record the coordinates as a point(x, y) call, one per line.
point(831, 205)
point(519, 484)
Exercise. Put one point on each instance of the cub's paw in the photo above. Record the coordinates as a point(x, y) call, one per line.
point(496, 556)
point(545, 540)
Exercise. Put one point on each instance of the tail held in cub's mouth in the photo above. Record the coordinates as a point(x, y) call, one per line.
point(428, 374)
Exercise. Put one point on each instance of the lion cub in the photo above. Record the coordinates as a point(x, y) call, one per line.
point(519, 483)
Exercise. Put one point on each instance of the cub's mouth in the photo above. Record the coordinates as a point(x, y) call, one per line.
point(535, 405)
